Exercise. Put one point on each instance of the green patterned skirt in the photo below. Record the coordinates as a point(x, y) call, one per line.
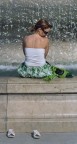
point(47, 72)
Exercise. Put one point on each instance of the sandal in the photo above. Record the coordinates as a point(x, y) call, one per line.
point(10, 133)
point(35, 134)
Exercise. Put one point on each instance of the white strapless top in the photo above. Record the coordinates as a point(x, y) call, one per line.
point(34, 56)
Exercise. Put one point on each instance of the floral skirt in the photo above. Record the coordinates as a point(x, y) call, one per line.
point(47, 72)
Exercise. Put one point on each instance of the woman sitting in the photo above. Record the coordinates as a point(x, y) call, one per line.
point(35, 48)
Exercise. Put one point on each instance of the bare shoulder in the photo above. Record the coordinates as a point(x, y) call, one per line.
point(27, 38)
point(47, 40)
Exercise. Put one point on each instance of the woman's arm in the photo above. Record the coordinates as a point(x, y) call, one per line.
point(47, 48)
point(24, 44)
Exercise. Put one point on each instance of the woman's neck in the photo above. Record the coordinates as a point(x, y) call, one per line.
point(38, 34)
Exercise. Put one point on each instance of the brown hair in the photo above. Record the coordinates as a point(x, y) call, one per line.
point(43, 24)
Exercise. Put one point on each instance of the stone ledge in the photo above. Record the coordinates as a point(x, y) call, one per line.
point(28, 85)
point(47, 106)
point(42, 125)
point(28, 104)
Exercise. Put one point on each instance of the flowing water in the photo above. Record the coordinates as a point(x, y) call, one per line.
point(16, 18)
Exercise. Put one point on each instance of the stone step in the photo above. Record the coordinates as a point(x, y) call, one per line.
point(27, 104)
point(21, 85)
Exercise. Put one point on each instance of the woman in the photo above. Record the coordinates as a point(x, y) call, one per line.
point(35, 48)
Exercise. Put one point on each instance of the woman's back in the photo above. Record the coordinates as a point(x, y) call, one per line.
point(34, 50)
point(35, 41)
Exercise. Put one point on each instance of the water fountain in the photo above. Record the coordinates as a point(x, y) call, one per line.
point(27, 104)
point(16, 18)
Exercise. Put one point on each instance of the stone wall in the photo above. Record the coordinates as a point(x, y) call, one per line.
point(28, 104)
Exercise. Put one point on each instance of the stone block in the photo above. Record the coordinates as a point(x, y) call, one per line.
point(3, 88)
point(3, 106)
point(3, 125)
point(35, 104)
point(45, 106)
point(40, 86)
point(3, 80)
point(42, 125)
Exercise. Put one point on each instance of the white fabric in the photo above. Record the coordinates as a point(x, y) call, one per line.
point(34, 56)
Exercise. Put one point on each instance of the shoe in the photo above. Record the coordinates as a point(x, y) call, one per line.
point(35, 134)
point(10, 133)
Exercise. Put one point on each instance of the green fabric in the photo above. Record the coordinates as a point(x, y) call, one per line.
point(55, 75)
point(37, 72)
point(47, 72)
